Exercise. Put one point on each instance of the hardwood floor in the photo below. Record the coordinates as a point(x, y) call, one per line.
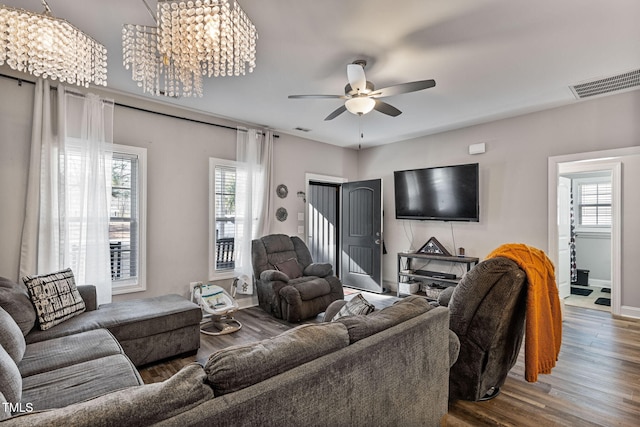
point(595, 383)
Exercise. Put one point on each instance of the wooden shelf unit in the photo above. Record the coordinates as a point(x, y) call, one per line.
point(470, 262)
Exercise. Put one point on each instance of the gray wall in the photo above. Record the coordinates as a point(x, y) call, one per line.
point(513, 175)
point(513, 180)
point(177, 189)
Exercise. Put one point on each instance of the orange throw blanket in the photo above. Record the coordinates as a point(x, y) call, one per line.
point(543, 324)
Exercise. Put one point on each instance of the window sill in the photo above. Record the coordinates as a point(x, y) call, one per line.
point(127, 288)
point(222, 275)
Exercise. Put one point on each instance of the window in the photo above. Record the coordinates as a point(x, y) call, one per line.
point(127, 219)
point(594, 204)
point(222, 185)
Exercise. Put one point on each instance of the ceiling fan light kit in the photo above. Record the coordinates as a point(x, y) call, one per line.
point(360, 105)
point(361, 97)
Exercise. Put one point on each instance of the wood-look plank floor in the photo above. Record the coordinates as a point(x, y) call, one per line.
point(595, 383)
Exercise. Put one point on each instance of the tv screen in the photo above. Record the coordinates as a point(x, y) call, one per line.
point(446, 193)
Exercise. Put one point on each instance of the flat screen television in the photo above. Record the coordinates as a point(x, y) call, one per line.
point(445, 193)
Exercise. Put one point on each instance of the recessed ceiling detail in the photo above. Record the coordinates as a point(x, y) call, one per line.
point(610, 84)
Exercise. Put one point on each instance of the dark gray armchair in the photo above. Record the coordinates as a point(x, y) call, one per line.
point(290, 285)
point(487, 313)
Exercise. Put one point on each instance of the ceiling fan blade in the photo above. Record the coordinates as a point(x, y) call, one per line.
point(317, 97)
point(404, 88)
point(356, 77)
point(387, 109)
point(336, 113)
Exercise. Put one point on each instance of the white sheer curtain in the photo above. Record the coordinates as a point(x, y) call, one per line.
point(69, 190)
point(254, 156)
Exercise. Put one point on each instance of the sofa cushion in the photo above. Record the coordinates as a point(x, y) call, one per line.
point(290, 267)
point(10, 379)
point(129, 319)
point(357, 305)
point(241, 366)
point(310, 287)
point(132, 406)
point(55, 297)
point(79, 382)
point(363, 326)
point(4, 410)
point(59, 352)
point(14, 298)
point(11, 338)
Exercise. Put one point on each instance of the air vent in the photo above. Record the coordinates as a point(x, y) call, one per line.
point(623, 81)
point(302, 129)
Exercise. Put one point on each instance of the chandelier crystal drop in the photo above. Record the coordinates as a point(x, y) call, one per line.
point(154, 72)
point(192, 39)
point(48, 47)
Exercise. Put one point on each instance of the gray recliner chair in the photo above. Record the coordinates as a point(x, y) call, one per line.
point(290, 285)
point(487, 313)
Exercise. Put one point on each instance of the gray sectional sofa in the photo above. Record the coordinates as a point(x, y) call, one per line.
point(90, 354)
point(390, 367)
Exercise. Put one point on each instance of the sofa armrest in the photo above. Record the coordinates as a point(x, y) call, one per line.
point(319, 270)
point(273, 276)
point(88, 294)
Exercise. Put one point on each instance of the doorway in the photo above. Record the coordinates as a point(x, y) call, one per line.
point(560, 168)
point(584, 200)
point(343, 227)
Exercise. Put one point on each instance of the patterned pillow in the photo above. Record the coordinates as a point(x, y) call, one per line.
point(356, 305)
point(55, 297)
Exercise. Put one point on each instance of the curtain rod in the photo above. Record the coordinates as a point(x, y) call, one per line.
point(21, 80)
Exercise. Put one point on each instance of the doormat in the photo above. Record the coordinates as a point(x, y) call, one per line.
point(603, 301)
point(350, 291)
point(580, 291)
point(606, 290)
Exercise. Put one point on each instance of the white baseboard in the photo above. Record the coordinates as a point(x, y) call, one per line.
point(600, 283)
point(627, 311)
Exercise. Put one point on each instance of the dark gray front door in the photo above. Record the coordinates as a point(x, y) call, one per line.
point(361, 254)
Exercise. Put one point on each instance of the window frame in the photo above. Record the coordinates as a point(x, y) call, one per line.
point(138, 284)
point(577, 190)
point(214, 273)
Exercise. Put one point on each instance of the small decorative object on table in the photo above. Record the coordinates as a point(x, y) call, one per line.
point(433, 247)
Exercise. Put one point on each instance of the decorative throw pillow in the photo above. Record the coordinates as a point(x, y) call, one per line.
point(55, 297)
point(356, 305)
point(291, 268)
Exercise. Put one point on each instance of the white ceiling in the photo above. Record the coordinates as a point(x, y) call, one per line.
point(490, 59)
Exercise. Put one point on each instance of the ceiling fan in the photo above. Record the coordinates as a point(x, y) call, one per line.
point(361, 96)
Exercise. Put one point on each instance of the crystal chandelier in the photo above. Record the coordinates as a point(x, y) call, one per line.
point(192, 39)
point(48, 47)
point(152, 71)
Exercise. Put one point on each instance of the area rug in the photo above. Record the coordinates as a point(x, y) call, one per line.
point(580, 291)
point(603, 301)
